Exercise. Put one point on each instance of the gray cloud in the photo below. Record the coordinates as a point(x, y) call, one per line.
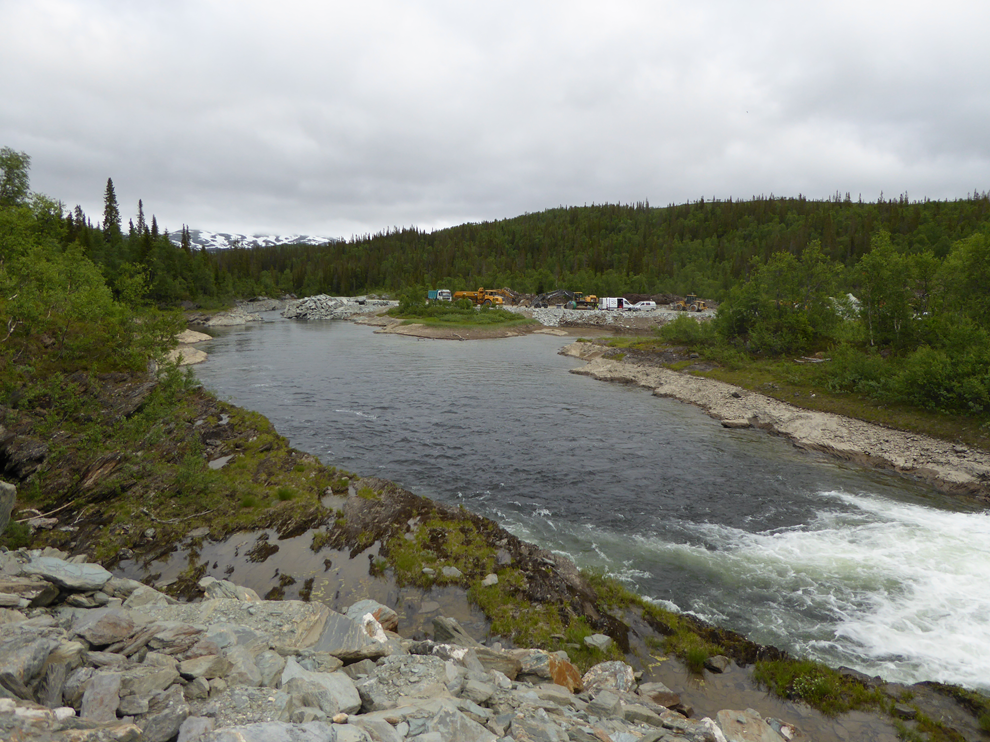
point(338, 118)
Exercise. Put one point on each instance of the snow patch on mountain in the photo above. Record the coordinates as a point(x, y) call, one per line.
point(224, 240)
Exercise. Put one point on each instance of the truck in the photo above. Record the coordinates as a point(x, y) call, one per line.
point(481, 298)
point(613, 302)
point(439, 295)
point(581, 301)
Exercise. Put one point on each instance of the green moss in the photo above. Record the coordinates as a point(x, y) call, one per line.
point(440, 543)
point(368, 494)
point(817, 685)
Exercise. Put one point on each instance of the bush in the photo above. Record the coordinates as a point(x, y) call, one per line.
point(686, 330)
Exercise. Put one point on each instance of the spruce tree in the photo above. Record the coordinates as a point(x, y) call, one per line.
point(111, 214)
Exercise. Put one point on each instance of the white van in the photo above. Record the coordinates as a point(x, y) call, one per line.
point(643, 306)
point(613, 302)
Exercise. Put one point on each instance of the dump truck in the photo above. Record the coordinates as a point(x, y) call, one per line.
point(481, 297)
point(439, 295)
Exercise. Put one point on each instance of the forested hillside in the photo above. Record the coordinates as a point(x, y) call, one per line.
point(703, 247)
point(897, 292)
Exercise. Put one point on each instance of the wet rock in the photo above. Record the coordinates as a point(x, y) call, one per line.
point(233, 318)
point(660, 694)
point(77, 577)
point(214, 588)
point(448, 630)
point(718, 664)
point(387, 617)
point(745, 726)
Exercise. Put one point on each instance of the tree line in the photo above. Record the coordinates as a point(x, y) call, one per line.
point(897, 290)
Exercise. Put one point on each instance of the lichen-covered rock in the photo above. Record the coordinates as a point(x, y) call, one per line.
point(613, 675)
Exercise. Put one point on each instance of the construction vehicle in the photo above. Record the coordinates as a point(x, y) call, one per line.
point(580, 301)
point(481, 298)
point(574, 299)
point(439, 295)
point(508, 295)
point(690, 303)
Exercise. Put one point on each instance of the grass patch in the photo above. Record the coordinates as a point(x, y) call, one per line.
point(458, 314)
point(817, 685)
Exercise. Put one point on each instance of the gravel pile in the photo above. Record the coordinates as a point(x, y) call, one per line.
point(322, 306)
point(556, 317)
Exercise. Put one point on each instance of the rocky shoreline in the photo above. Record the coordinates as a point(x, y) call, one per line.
point(88, 656)
point(951, 468)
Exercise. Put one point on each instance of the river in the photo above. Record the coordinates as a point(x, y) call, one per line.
point(825, 559)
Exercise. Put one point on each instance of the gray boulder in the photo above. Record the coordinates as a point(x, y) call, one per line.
point(388, 618)
point(746, 726)
point(613, 675)
point(165, 715)
point(214, 588)
point(22, 658)
point(102, 697)
point(77, 577)
point(337, 684)
point(102, 627)
point(348, 640)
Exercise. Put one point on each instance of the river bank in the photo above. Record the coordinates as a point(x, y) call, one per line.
point(950, 468)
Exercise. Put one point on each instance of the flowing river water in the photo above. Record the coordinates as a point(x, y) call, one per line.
point(828, 560)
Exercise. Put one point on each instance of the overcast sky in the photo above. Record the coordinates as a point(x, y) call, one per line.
point(335, 118)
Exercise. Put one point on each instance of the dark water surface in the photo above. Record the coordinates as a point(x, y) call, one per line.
point(793, 549)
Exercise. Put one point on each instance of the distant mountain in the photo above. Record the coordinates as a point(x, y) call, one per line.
point(223, 240)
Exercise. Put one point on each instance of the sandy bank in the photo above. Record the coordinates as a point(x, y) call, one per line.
point(951, 468)
point(391, 326)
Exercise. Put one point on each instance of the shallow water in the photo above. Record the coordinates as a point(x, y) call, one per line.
point(821, 558)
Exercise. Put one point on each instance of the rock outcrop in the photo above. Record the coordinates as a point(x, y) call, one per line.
point(97, 657)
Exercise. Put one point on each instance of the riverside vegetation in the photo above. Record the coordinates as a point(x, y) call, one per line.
point(111, 447)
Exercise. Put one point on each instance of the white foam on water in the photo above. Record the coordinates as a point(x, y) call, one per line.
point(358, 413)
point(890, 588)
